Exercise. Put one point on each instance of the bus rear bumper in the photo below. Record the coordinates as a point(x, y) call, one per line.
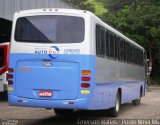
point(81, 103)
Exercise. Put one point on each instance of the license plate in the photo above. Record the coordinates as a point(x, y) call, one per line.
point(45, 93)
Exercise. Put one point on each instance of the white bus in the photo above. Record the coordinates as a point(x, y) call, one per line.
point(69, 59)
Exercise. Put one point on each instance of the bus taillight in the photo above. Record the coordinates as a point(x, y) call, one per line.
point(10, 70)
point(85, 78)
point(86, 72)
point(9, 76)
point(10, 82)
point(85, 85)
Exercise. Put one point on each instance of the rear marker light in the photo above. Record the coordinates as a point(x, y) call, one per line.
point(9, 76)
point(85, 78)
point(85, 85)
point(85, 91)
point(10, 70)
point(19, 100)
point(68, 103)
point(10, 82)
point(86, 72)
point(10, 88)
point(22, 101)
point(84, 11)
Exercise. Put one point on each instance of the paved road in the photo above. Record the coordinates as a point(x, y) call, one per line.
point(148, 109)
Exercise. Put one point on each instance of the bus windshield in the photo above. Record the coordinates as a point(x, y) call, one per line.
point(50, 29)
point(1, 57)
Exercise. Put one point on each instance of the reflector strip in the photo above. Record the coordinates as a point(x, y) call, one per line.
point(24, 69)
point(66, 103)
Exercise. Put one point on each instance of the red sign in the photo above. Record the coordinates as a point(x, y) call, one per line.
point(45, 93)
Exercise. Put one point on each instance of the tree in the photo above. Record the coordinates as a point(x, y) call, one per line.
point(82, 4)
point(140, 21)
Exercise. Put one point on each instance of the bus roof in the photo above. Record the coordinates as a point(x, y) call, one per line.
point(81, 12)
point(52, 10)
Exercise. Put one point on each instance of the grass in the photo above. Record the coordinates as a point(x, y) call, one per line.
point(99, 7)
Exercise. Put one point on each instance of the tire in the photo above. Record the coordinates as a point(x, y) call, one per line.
point(136, 102)
point(114, 112)
point(63, 112)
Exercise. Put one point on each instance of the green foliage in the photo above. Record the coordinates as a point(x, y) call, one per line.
point(140, 21)
point(82, 4)
point(99, 7)
point(116, 5)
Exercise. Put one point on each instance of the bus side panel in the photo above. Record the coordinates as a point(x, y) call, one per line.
point(113, 75)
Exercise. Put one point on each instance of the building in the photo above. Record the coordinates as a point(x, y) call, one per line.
point(9, 7)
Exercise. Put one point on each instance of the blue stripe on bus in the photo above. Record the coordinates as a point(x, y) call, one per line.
point(102, 94)
point(103, 97)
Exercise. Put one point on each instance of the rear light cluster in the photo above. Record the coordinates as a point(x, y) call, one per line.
point(85, 78)
point(10, 76)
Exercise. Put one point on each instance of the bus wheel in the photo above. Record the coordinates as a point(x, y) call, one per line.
point(113, 112)
point(137, 101)
point(63, 111)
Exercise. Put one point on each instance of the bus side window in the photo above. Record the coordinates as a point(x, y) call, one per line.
point(107, 43)
point(117, 47)
point(98, 40)
point(127, 51)
point(121, 50)
point(102, 45)
point(133, 54)
point(130, 54)
point(112, 46)
point(136, 57)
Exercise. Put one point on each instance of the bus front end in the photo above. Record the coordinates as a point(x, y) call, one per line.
point(50, 62)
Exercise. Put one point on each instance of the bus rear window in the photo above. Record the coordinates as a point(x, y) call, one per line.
point(1, 57)
point(50, 29)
